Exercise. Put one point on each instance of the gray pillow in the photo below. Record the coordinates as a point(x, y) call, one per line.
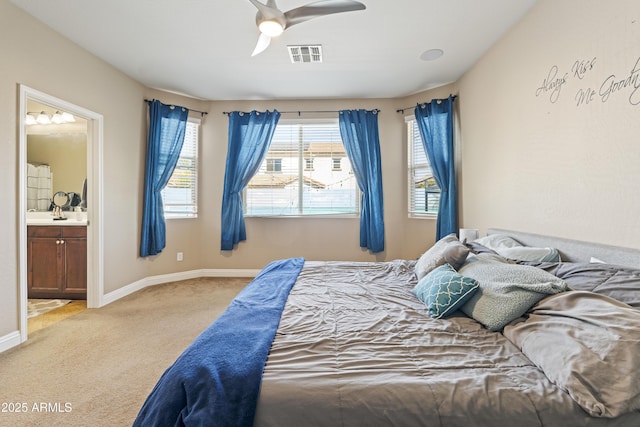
point(512, 249)
point(506, 290)
point(448, 250)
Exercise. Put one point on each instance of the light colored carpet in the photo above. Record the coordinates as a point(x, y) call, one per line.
point(97, 367)
point(36, 307)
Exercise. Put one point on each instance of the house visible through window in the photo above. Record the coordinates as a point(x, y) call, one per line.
point(424, 193)
point(180, 196)
point(308, 182)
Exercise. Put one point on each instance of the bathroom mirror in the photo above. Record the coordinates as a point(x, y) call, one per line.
point(56, 156)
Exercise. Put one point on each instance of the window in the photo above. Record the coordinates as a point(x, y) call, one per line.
point(274, 165)
point(337, 163)
point(309, 164)
point(180, 196)
point(308, 183)
point(424, 193)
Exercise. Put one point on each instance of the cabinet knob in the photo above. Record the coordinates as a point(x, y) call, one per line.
point(57, 242)
point(62, 242)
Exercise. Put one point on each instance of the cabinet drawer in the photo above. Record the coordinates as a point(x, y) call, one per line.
point(52, 231)
point(74, 231)
point(43, 231)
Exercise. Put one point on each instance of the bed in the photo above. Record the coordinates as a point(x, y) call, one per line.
point(357, 344)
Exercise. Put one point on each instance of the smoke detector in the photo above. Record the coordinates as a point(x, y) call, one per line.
point(305, 53)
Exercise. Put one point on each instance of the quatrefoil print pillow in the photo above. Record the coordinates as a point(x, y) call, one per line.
point(444, 291)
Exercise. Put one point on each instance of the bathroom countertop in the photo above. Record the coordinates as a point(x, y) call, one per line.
point(45, 219)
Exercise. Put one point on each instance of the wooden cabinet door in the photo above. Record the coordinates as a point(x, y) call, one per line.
point(75, 266)
point(57, 262)
point(44, 256)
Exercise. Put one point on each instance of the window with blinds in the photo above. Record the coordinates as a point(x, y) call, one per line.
point(180, 196)
point(424, 193)
point(299, 176)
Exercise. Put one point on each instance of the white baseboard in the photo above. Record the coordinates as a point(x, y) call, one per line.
point(10, 340)
point(173, 277)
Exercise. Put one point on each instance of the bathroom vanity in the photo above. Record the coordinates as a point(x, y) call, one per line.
point(57, 260)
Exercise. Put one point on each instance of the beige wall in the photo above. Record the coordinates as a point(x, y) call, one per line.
point(538, 163)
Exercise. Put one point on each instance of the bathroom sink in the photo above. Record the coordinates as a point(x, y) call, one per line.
point(46, 218)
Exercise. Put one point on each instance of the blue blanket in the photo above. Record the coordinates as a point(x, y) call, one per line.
point(216, 381)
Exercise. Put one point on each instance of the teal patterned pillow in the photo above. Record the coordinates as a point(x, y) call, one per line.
point(443, 291)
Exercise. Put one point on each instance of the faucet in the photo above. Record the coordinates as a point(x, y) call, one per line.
point(57, 212)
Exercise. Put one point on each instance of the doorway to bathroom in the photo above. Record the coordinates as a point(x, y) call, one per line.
point(59, 212)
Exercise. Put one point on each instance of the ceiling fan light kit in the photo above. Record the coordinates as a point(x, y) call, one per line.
point(271, 28)
point(272, 21)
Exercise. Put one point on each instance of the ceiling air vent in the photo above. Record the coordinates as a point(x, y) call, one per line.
point(307, 53)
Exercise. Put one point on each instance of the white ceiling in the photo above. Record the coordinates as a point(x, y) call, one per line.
point(202, 48)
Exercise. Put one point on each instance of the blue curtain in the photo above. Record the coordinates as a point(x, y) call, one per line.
point(167, 124)
point(249, 139)
point(435, 122)
point(359, 131)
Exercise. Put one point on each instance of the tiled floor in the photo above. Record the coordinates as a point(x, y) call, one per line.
point(54, 316)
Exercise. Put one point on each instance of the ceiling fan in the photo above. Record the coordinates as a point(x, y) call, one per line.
point(272, 21)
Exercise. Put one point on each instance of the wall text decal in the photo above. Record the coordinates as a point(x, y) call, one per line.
point(613, 85)
point(552, 84)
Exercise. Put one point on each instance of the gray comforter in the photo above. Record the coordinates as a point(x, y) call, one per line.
point(355, 348)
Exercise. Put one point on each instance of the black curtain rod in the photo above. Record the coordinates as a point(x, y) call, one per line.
point(401, 110)
point(202, 113)
point(306, 111)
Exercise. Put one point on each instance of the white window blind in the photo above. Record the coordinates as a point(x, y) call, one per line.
point(180, 196)
point(305, 182)
point(424, 193)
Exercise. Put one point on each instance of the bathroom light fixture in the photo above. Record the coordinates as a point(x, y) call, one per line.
point(68, 117)
point(43, 118)
point(57, 118)
point(30, 120)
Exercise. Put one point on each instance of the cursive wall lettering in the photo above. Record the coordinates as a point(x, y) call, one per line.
point(552, 84)
point(611, 86)
point(585, 96)
point(582, 67)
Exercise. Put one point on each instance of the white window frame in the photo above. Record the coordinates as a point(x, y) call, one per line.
point(193, 211)
point(301, 169)
point(413, 139)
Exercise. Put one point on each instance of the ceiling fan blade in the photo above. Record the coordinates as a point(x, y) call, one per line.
point(269, 10)
point(263, 43)
point(320, 8)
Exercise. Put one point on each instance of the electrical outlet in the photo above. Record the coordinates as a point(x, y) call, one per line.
point(180, 256)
